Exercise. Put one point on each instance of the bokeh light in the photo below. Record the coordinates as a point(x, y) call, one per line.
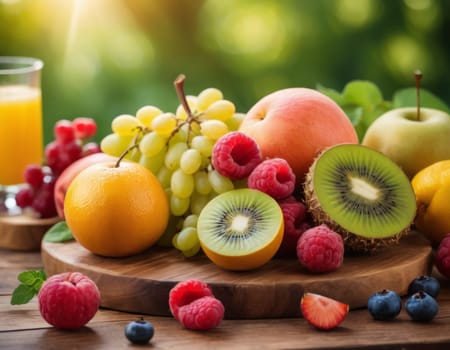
point(104, 58)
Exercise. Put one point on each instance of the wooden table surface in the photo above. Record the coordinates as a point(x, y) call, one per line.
point(21, 327)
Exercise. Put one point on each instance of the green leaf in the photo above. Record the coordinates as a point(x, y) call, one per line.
point(59, 232)
point(331, 93)
point(362, 93)
point(22, 295)
point(29, 278)
point(31, 282)
point(407, 98)
point(354, 113)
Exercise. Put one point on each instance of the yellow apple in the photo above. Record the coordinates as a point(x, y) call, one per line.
point(412, 142)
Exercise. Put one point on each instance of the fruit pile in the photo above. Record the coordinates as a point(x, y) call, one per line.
point(314, 177)
point(71, 143)
point(197, 154)
point(288, 179)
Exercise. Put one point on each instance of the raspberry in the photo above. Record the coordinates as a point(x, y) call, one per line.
point(320, 249)
point(68, 300)
point(193, 304)
point(186, 292)
point(295, 223)
point(202, 314)
point(442, 259)
point(274, 177)
point(235, 155)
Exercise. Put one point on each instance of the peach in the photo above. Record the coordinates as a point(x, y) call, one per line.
point(66, 177)
point(297, 124)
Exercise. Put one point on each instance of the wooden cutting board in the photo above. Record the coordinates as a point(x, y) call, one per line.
point(141, 283)
point(23, 233)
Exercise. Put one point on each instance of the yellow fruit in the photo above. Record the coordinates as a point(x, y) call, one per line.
point(432, 188)
point(116, 211)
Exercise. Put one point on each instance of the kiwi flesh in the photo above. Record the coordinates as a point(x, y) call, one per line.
point(241, 229)
point(361, 194)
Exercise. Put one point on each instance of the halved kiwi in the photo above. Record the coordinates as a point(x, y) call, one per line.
point(361, 194)
point(241, 229)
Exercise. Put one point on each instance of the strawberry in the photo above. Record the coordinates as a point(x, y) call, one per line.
point(322, 312)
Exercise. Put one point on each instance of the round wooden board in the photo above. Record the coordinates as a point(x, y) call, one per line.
point(141, 283)
point(22, 232)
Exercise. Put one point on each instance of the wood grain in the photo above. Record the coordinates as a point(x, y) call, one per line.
point(23, 232)
point(22, 327)
point(141, 283)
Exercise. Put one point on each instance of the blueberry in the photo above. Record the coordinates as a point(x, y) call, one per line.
point(139, 331)
point(428, 284)
point(421, 307)
point(384, 305)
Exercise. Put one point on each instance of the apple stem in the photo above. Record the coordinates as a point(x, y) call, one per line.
point(418, 76)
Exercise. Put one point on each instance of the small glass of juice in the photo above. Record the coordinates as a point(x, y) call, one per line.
point(21, 130)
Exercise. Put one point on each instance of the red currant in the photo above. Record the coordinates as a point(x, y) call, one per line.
point(44, 202)
point(64, 131)
point(84, 127)
point(24, 198)
point(91, 148)
point(34, 175)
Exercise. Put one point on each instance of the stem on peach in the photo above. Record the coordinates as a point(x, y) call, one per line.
point(418, 76)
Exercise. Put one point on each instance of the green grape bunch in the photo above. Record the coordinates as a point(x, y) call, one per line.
point(177, 148)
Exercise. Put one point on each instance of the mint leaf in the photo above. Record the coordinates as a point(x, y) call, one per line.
point(31, 282)
point(408, 98)
point(22, 295)
point(59, 232)
point(29, 278)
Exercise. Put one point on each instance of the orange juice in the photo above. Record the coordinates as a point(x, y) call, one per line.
point(21, 135)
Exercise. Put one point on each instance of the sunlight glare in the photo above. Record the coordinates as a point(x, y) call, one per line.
point(77, 6)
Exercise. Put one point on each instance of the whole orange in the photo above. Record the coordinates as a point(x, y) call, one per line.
point(116, 211)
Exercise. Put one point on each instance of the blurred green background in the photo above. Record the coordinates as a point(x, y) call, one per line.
point(109, 57)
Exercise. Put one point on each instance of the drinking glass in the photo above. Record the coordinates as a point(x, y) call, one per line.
point(21, 130)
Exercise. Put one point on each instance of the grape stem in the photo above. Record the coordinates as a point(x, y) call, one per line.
point(191, 118)
point(418, 76)
point(179, 88)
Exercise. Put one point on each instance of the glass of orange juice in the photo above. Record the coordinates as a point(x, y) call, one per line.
point(21, 130)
